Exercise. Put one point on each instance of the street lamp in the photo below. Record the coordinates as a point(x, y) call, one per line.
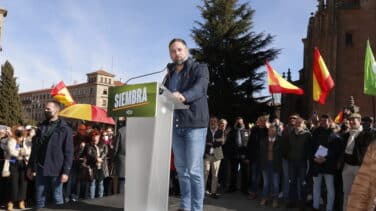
point(3, 14)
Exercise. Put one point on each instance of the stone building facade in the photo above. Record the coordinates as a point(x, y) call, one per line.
point(340, 29)
point(3, 14)
point(94, 91)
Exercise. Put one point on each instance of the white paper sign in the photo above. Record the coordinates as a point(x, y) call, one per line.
point(321, 151)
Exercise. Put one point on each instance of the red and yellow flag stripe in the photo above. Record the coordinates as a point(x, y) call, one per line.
point(339, 118)
point(277, 84)
point(322, 81)
point(61, 94)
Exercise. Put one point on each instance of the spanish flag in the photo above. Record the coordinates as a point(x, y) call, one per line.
point(322, 81)
point(339, 118)
point(61, 94)
point(277, 84)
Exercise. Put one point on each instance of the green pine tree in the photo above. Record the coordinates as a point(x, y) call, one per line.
point(233, 53)
point(10, 103)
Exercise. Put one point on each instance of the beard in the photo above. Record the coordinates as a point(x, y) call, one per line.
point(179, 61)
point(48, 115)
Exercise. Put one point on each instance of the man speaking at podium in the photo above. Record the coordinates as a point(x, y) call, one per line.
point(188, 81)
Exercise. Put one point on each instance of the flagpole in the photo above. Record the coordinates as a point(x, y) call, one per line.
point(373, 107)
point(273, 106)
point(314, 108)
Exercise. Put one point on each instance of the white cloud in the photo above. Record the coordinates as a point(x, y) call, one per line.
point(32, 72)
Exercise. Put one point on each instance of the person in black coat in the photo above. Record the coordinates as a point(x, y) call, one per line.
point(325, 150)
point(285, 136)
point(119, 157)
point(298, 154)
point(73, 186)
point(237, 151)
point(259, 132)
point(95, 153)
point(51, 155)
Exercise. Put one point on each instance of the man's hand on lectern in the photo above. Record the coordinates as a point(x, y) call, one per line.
point(179, 96)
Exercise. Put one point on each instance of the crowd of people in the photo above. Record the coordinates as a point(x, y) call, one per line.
point(95, 167)
point(292, 161)
point(276, 163)
point(287, 165)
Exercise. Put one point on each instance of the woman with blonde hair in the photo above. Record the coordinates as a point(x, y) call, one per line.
point(18, 153)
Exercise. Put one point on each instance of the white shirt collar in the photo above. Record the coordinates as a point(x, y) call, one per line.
point(271, 139)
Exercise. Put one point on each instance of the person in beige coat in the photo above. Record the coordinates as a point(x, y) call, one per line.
point(215, 138)
point(363, 191)
point(17, 154)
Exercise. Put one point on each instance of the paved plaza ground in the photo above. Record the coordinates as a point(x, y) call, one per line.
point(227, 202)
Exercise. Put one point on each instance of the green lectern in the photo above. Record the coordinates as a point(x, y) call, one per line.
point(149, 109)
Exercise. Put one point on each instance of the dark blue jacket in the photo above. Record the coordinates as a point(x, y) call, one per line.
point(59, 152)
point(253, 147)
point(193, 86)
point(327, 138)
point(234, 150)
point(298, 145)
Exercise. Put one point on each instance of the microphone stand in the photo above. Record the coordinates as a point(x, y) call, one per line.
point(140, 76)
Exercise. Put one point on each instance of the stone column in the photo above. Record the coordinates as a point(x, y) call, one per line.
point(3, 14)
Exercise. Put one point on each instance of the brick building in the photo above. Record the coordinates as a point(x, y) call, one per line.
point(340, 29)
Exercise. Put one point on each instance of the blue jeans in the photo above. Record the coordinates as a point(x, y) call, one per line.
point(297, 176)
point(96, 185)
point(188, 145)
point(286, 185)
point(121, 184)
point(329, 182)
point(255, 176)
point(72, 190)
point(271, 179)
point(43, 184)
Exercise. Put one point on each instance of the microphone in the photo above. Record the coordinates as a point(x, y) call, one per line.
point(144, 75)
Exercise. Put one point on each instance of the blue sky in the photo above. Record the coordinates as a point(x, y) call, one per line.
point(48, 41)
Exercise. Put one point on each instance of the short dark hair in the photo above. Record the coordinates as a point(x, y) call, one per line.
point(93, 133)
point(238, 118)
point(56, 104)
point(213, 117)
point(273, 126)
point(177, 40)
